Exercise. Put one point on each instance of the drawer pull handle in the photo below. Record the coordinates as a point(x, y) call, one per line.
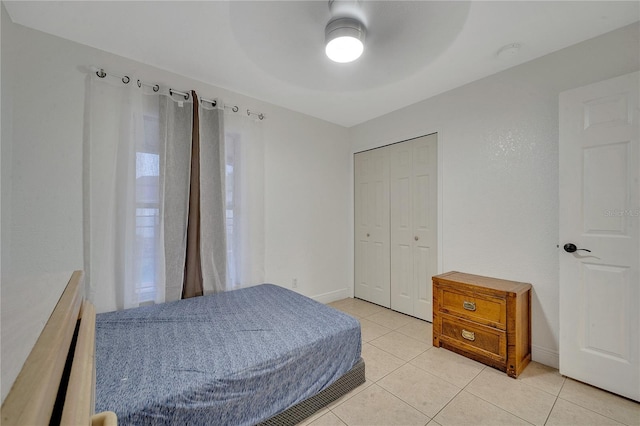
point(469, 306)
point(468, 335)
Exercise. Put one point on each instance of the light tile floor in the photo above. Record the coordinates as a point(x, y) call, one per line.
point(409, 382)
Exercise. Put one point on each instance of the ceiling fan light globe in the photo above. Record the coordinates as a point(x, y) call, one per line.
point(344, 49)
point(344, 38)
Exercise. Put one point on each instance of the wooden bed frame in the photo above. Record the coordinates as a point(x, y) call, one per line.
point(57, 382)
point(56, 385)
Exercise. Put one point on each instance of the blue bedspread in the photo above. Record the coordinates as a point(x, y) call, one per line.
point(233, 358)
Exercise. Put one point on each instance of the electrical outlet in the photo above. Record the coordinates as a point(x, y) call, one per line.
point(294, 283)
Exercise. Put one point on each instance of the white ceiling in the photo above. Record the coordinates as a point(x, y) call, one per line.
point(274, 50)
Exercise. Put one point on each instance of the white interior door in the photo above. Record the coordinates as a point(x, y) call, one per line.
point(600, 212)
point(413, 216)
point(372, 226)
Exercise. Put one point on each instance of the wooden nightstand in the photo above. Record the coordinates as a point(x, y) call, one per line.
point(483, 318)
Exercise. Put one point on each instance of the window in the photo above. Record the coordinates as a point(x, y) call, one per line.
point(147, 197)
point(232, 202)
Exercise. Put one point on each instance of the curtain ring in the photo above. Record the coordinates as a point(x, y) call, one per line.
point(172, 92)
point(235, 108)
point(155, 87)
point(100, 73)
point(126, 79)
point(257, 114)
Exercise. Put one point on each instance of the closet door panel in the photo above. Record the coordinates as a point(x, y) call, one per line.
point(424, 223)
point(379, 242)
point(361, 272)
point(401, 218)
point(422, 302)
point(362, 172)
point(379, 274)
point(372, 227)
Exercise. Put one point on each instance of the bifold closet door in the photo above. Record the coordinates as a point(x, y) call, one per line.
point(413, 220)
point(372, 259)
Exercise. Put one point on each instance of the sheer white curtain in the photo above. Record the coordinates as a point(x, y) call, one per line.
point(244, 201)
point(136, 165)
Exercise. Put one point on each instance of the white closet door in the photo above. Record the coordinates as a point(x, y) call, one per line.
point(402, 235)
point(425, 196)
point(413, 198)
point(362, 170)
point(372, 260)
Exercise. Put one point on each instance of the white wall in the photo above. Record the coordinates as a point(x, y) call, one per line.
point(307, 206)
point(306, 175)
point(498, 149)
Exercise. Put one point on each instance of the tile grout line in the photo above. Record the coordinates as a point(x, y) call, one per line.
point(593, 411)
point(404, 361)
point(551, 411)
point(339, 418)
point(442, 378)
point(448, 402)
point(498, 407)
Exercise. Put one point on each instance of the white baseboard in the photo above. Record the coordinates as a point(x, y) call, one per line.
point(545, 356)
point(332, 296)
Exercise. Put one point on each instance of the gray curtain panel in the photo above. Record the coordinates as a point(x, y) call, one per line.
point(175, 137)
point(213, 241)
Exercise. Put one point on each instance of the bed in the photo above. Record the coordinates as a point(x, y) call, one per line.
point(260, 355)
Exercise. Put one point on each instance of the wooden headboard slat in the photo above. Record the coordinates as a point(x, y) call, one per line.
point(33, 394)
point(79, 400)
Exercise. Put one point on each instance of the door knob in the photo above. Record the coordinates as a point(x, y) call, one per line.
point(416, 238)
point(367, 234)
point(570, 248)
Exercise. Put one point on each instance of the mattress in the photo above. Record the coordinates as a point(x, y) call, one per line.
point(234, 358)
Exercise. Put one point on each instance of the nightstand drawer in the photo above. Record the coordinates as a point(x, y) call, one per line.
point(491, 311)
point(469, 336)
